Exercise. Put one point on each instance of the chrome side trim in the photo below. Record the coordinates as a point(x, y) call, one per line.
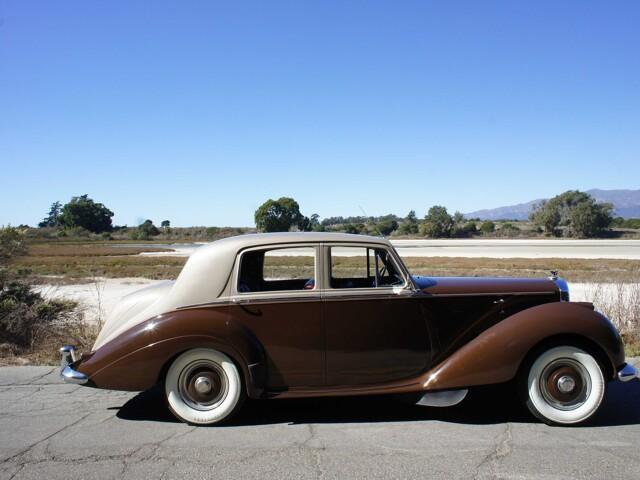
point(487, 294)
point(276, 299)
point(628, 372)
point(71, 376)
point(444, 398)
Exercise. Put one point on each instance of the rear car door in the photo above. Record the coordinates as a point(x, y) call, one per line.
point(275, 297)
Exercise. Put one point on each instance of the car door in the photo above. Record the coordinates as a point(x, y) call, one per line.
point(275, 297)
point(376, 328)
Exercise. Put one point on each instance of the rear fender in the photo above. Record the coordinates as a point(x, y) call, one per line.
point(496, 354)
point(138, 358)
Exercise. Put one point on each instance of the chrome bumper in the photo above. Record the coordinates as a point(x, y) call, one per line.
point(628, 372)
point(67, 373)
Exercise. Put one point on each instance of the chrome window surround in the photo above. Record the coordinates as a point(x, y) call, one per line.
point(385, 290)
point(322, 272)
point(276, 294)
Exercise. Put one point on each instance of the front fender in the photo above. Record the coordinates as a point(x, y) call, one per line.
point(496, 354)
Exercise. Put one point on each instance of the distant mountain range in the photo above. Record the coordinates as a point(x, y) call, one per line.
point(626, 204)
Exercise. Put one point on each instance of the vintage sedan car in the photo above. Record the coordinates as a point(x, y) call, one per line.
point(287, 315)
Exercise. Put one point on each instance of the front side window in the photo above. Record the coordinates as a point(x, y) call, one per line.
point(277, 269)
point(363, 267)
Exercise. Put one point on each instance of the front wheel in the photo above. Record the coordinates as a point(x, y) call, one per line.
point(203, 386)
point(564, 385)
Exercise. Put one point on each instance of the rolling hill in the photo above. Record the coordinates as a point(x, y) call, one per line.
point(626, 204)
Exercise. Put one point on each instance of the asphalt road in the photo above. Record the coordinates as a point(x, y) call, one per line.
point(51, 430)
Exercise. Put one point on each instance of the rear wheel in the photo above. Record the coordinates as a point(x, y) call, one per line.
point(203, 386)
point(564, 385)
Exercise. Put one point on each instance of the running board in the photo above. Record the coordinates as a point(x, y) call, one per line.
point(443, 398)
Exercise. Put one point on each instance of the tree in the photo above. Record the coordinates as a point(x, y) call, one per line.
point(508, 229)
point(53, 218)
point(546, 216)
point(83, 212)
point(147, 229)
point(487, 227)
point(409, 225)
point(352, 228)
point(387, 226)
point(279, 215)
point(588, 219)
point(165, 224)
point(577, 211)
point(470, 228)
point(437, 223)
point(458, 218)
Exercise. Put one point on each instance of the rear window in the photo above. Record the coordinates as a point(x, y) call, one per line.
point(277, 269)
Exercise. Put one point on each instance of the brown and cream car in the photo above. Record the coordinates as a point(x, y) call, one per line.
point(317, 314)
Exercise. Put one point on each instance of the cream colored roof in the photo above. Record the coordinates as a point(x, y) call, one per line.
point(240, 242)
point(207, 270)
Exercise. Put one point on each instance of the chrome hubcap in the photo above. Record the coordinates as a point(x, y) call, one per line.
point(202, 385)
point(566, 384)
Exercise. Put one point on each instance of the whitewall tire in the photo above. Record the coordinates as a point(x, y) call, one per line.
point(203, 386)
point(564, 385)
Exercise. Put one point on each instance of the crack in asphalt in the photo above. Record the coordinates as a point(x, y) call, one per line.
point(501, 449)
point(127, 458)
point(31, 381)
point(33, 445)
point(315, 450)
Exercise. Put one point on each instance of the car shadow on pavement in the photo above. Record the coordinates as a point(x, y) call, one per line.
point(484, 405)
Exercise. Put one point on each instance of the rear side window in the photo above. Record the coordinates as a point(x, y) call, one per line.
point(277, 269)
point(362, 267)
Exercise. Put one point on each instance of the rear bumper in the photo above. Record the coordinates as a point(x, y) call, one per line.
point(627, 372)
point(68, 374)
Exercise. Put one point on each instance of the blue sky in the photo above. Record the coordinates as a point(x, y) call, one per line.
point(197, 112)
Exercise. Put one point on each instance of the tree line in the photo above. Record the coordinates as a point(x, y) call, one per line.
point(83, 213)
point(571, 214)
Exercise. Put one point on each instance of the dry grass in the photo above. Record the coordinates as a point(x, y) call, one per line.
point(79, 261)
point(68, 326)
point(86, 250)
point(620, 302)
point(572, 269)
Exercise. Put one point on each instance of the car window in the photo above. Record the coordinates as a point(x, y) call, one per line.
point(277, 269)
point(362, 267)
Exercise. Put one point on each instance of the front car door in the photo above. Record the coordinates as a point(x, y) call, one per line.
point(376, 327)
point(276, 298)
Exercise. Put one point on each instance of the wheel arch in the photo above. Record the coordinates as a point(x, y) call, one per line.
point(497, 354)
point(139, 358)
point(580, 341)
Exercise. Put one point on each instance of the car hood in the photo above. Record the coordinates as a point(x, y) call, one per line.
point(484, 285)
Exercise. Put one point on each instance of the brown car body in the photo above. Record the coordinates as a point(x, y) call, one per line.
point(430, 334)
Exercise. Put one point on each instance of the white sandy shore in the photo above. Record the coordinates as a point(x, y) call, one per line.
point(492, 248)
point(98, 298)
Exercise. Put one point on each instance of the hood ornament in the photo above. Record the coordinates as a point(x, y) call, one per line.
point(554, 275)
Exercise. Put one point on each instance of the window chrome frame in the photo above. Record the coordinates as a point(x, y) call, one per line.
point(328, 291)
point(275, 295)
